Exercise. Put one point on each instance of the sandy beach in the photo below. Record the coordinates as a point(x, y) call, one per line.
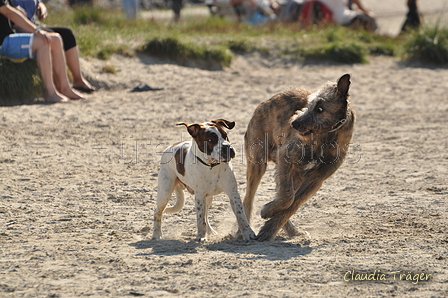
point(78, 187)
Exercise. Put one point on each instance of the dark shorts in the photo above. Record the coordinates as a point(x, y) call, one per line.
point(18, 47)
point(68, 38)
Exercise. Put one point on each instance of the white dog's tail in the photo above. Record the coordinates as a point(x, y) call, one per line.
point(180, 200)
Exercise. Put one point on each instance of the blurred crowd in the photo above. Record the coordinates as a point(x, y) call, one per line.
point(350, 13)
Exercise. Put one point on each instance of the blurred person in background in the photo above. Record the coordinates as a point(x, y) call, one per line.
point(176, 6)
point(46, 47)
point(33, 9)
point(412, 21)
point(254, 12)
point(130, 8)
point(356, 16)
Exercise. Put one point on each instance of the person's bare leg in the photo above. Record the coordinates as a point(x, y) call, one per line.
point(72, 57)
point(60, 70)
point(43, 58)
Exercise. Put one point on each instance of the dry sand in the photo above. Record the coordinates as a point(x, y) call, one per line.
point(78, 188)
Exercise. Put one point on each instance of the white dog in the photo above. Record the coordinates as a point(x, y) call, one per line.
point(202, 166)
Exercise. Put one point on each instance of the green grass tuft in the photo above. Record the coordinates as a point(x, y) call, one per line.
point(240, 46)
point(175, 50)
point(382, 49)
point(85, 15)
point(348, 53)
point(20, 82)
point(109, 68)
point(166, 48)
point(429, 45)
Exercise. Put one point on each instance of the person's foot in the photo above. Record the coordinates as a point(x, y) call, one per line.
point(83, 86)
point(56, 98)
point(86, 88)
point(72, 94)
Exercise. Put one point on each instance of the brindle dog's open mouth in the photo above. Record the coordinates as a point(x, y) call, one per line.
point(305, 133)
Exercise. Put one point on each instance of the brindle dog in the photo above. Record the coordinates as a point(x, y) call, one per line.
point(307, 135)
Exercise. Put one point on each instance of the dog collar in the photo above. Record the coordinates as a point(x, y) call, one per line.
point(210, 165)
point(341, 122)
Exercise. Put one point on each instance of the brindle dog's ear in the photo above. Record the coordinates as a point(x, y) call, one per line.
point(344, 84)
point(227, 124)
point(192, 128)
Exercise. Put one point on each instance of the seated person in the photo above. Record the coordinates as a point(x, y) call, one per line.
point(243, 9)
point(255, 12)
point(290, 11)
point(46, 47)
point(343, 15)
point(36, 8)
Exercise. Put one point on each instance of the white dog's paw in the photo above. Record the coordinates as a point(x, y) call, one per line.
point(249, 234)
point(156, 236)
point(201, 239)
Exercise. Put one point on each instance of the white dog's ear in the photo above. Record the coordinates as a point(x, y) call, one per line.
point(226, 123)
point(193, 128)
point(344, 84)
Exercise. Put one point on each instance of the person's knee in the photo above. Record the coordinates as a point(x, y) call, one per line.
point(39, 43)
point(55, 39)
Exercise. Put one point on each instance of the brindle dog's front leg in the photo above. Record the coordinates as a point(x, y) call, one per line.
point(289, 178)
point(280, 219)
point(291, 229)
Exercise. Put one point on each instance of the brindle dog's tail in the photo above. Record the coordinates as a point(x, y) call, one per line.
point(180, 201)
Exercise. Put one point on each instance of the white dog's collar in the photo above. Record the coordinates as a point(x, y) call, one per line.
point(210, 165)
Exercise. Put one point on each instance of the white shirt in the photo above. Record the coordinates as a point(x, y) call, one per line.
point(342, 15)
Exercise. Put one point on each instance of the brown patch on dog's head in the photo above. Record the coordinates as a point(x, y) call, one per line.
point(193, 128)
point(327, 107)
point(221, 124)
point(209, 139)
point(224, 123)
point(206, 140)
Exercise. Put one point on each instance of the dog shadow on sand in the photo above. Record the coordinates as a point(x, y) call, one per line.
point(273, 251)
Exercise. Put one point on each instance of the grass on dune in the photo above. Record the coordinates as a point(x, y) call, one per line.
point(101, 33)
point(428, 46)
point(211, 42)
point(20, 83)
